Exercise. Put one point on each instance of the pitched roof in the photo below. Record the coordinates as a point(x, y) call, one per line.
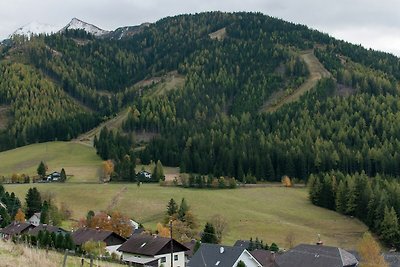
point(16, 228)
point(190, 245)
point(316, 256)
point(36, 214)
point(210, 255)
point(44, 227)
point(242, 243)
point(83, 235)
point(265, 257)
point(150, 245)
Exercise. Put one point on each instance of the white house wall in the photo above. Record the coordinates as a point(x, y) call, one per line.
point(179, 263)
point(113, 249)
point(248, 260)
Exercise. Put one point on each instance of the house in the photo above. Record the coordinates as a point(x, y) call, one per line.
point(222, 256)
point(144, 176)
point(190, 245)
point(113, 241)
point(45, 227)
point(316, 256)
point(148, 250)
point(15, 229)
point(242, 243)
point(54, 176)
point(35, 219)
point(265, 257)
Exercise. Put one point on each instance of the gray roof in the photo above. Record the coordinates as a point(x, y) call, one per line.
point(150, 245)
point(44, 227)
point(242, 243)
point(16, 228)
point(210, 254)
point(83, 235)
point(316, 256)
point(265, 257)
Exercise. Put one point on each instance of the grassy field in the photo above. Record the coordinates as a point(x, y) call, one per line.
point(317, 72)
point(12, 255)
point(269, 213)
point(78, 160)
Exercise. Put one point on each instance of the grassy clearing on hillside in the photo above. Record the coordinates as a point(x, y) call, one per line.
point(317, 72)
point(78, 160)
point(12, 255)
point(112, 124)
point(269, 213)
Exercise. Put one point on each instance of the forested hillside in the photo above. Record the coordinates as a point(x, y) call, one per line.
point(232, 64)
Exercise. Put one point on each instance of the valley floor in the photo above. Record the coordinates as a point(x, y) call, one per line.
point(269, 213)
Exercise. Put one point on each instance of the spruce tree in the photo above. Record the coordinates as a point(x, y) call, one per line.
point(63, 175)
point(274, 247)
point(41, 169)
point(172, 207)
point(208, 235)
point(44, 214)
point(183, 208)
point(390, 227)
point(33, 202)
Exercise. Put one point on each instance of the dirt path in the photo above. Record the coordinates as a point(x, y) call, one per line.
point(116, 198)
point(317, 72)
point(113, 123)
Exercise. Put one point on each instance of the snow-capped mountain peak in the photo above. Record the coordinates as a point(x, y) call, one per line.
point(35, 28)
point(77, 24)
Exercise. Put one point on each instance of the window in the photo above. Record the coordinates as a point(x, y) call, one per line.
point(175, 257)
point(163, 259)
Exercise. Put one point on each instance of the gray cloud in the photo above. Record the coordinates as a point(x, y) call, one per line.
point(372, 23)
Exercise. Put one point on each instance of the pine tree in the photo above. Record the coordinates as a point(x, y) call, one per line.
point(63, 175)
point(172, 207)
point(341, 197)
point(183, 208)
point(274, 247)
point(208, 235)
point(390, 227)
point(33, 202)
point(44, 214)
point(41, 170)
point(59, 240)
point(158, 172)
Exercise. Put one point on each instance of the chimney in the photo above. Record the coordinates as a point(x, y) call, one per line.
point(272, 256)
point(97, 228)
point(319, 243)
point(221, 250)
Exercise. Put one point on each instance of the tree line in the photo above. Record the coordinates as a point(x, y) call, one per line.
point(375, 201)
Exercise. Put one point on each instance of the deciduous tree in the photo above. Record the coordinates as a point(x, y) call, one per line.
point(370, 252)
point(20, 216)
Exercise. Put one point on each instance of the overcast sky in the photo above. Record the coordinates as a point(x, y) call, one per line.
point(372, 23)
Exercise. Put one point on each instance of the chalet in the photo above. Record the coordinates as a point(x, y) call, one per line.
point(44, 227)
point(35, 219)
point(242, 243)
point(265, 257)
point(148, 250)
point(113, 241)
point(15, 229)
point(222, 256)
point(54, 176)
point(144, 175)
point(316, 256)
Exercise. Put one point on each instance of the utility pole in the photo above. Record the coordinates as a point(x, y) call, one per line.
point(172, 244)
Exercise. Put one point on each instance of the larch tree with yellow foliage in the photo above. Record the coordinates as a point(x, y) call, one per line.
point(286, 181)
point(370, 252)
point(20, 216)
